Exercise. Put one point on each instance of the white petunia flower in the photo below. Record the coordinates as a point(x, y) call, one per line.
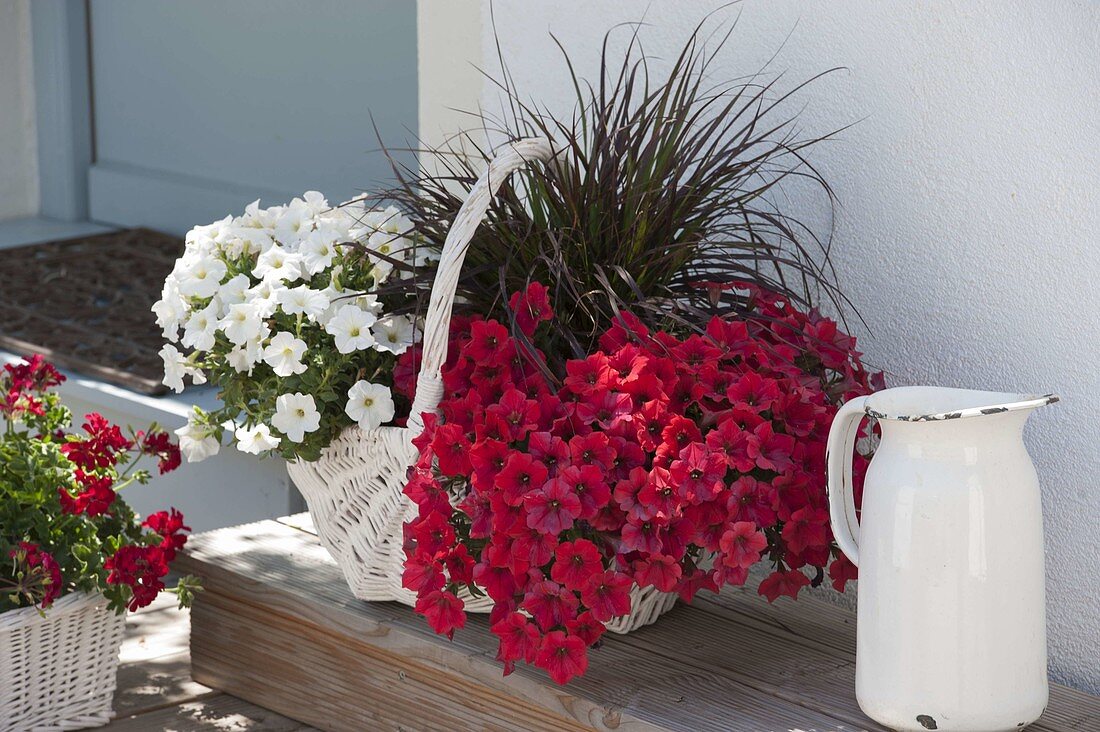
point(170, 310)
point(196, 441)
point(318, 250)
point(302, 300)
point(351, 329)
point(315, 202)
point(371, 405)
point(394, 333)
point(175, 368)
point(255, 440)
point(259, 218)
point(295, 415)
point(284, 354)
point(232, 292)
point(295, 221)
point(264, 298)
point(277, 264)
point(248, 241)
point(242, 324)
point(201, 276)
point(198, 331)
point(244, 357)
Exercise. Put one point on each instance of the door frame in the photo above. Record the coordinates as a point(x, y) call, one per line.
point(63, 107)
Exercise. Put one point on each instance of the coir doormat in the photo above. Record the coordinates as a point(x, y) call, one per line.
point(85, 303)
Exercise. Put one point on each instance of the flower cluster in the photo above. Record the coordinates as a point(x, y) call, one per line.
point(286, 309)
point(658, 461)
point(63, 525)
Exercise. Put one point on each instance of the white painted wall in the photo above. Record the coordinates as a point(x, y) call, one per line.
point(18, 157)
point(970, 192)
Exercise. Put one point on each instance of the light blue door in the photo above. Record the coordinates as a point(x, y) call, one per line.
point(201, 106)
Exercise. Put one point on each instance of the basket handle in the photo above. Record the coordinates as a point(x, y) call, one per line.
point(437, 323)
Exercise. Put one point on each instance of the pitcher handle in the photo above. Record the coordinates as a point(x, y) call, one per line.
point(838, 458)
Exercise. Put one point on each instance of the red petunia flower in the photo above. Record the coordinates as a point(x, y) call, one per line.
point(593, 449)
point(575, 563)
point(752, 500)
point(550, 604)
point(591, 488)
point(643, 535)
point(783, 583)
point(754, 391)
point(443, 610)
point(742, 544)
point(592, 375)
point(698, 473)
point(808, 527)
point(550, 450)
point(771, 451)
point(531, 307)
point(586, 627)
point(841, 571)
point(607, 595)
point(520, 475)
point(423, 577)
point(732, 442)
point(520, 414)
point(658, 497)
point(553, 508)
point(452, 449)
point(519, 639)
point(562, 656)
point(659, 570)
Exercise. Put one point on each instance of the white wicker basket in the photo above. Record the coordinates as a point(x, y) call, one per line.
point(57, 671)
point(354, 491)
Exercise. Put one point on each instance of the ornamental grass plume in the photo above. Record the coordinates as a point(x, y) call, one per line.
point(663, 192)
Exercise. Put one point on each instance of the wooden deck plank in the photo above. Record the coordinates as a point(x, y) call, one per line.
point(276, 567)
point(832, 629)
point(729, 663)
point(217, 713)
point(156, 683)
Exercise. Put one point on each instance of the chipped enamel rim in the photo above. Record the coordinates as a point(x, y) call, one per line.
point(1028, 401)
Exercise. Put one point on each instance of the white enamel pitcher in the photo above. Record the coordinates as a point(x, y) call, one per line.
point(951, 625)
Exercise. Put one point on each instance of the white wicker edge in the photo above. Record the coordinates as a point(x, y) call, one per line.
point(354, 491)
point(58, 670)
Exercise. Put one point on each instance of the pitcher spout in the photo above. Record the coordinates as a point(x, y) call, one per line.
point(931, 403)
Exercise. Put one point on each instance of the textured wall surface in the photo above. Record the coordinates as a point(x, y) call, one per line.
point(969, 207)
point(18, 162)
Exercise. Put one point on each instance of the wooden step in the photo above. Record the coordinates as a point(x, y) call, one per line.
point(277, 626)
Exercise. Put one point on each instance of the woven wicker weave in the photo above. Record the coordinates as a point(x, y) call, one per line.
point(57, 671)
point(354, 491)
